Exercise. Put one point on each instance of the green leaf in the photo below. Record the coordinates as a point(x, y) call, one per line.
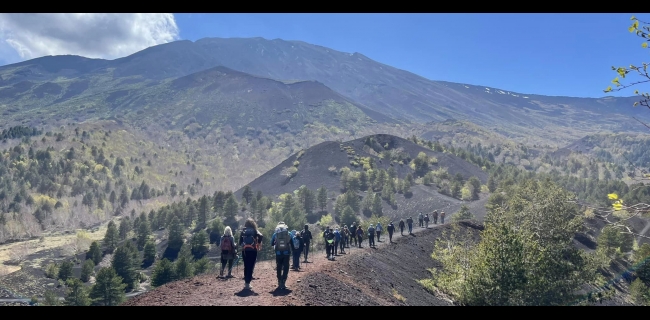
point(608, 89)
point(633, 18)
point(644, 45)
point(630, 29)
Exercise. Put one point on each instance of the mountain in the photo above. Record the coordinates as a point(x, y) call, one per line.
point(379, 87)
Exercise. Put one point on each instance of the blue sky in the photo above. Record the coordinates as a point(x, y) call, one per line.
point(550, 54)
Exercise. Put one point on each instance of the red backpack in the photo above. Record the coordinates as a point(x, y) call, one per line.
point(226, 243)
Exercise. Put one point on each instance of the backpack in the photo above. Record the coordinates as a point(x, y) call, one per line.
point(282, 238)
point(296, 242)
point(250, 243)
point(226, 243)
point(371, 230)
point(337, 235)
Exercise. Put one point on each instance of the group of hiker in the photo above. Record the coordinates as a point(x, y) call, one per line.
point(423, 220)
point(291, 243)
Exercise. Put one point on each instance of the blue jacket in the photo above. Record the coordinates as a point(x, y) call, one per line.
point(337, 236)
point(277, 253)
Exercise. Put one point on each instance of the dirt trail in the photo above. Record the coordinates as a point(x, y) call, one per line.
point(338, 278)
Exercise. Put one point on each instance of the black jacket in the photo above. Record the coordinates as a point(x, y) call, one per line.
point(401, 224)
point(390, 228)
point(306, 236)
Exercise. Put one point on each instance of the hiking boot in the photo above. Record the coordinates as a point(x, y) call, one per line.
point(229, 274)
point(279, 284)
point(247, 286)
point(221, 273)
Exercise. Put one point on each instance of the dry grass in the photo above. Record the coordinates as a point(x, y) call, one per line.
point(76, 242)
point(398, 296)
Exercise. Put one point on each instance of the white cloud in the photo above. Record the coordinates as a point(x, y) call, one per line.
point(92, 35)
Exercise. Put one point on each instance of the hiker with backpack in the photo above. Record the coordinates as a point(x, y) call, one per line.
point(401, 226)
point(337, 240)
point(281, 242)
point(359, 235)
point(426, 221)
point(228, 251)
point(435, 216)
point(251, 242)
point(329, 237)
point(297, 245)
point(378, 229)
point(409, 222)
point(306, 239)
point(371, 236)
point(421, 220)
point(390, 228)
point(442, 217)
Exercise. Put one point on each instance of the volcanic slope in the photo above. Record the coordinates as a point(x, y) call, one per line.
point(321, 165)
point(50, 81)
point(198, 102)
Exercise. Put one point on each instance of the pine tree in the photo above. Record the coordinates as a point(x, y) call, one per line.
point(247, 195)
point(124, 265)
point(219, 201)
point(348, 216)
point(175, 234)
point(112, 237)
point(366, 205)
point(125, 227)
point(87, 270)
point(376, 206)
point(163, 273)
point(183, 266)
point(200, 245)
point(108, 289)
point(94, 253)
point(149, 255)
point(144, 231)
point(65, 270)
point(322, 198)
point(230, 211)
point(492, 184)
point(77, 293)
point(203, 212)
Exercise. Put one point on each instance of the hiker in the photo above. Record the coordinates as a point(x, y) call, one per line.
point(345, 237)
point(390, 228)
point(442, 217)
point(359, 235)
point(281, 242)
point(337, 240)
point(306, 240)
point(371, 236)
point(379, 229)
point(435, 216)
point(421, 220)
point(401, 226)
point(251, 242)
point(297, 245)
point(228, 251)
point(330, 237)
point(353, 233)
point(426, 221)
point(409, 222)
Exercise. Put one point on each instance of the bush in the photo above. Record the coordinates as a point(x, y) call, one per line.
point(52, 271)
